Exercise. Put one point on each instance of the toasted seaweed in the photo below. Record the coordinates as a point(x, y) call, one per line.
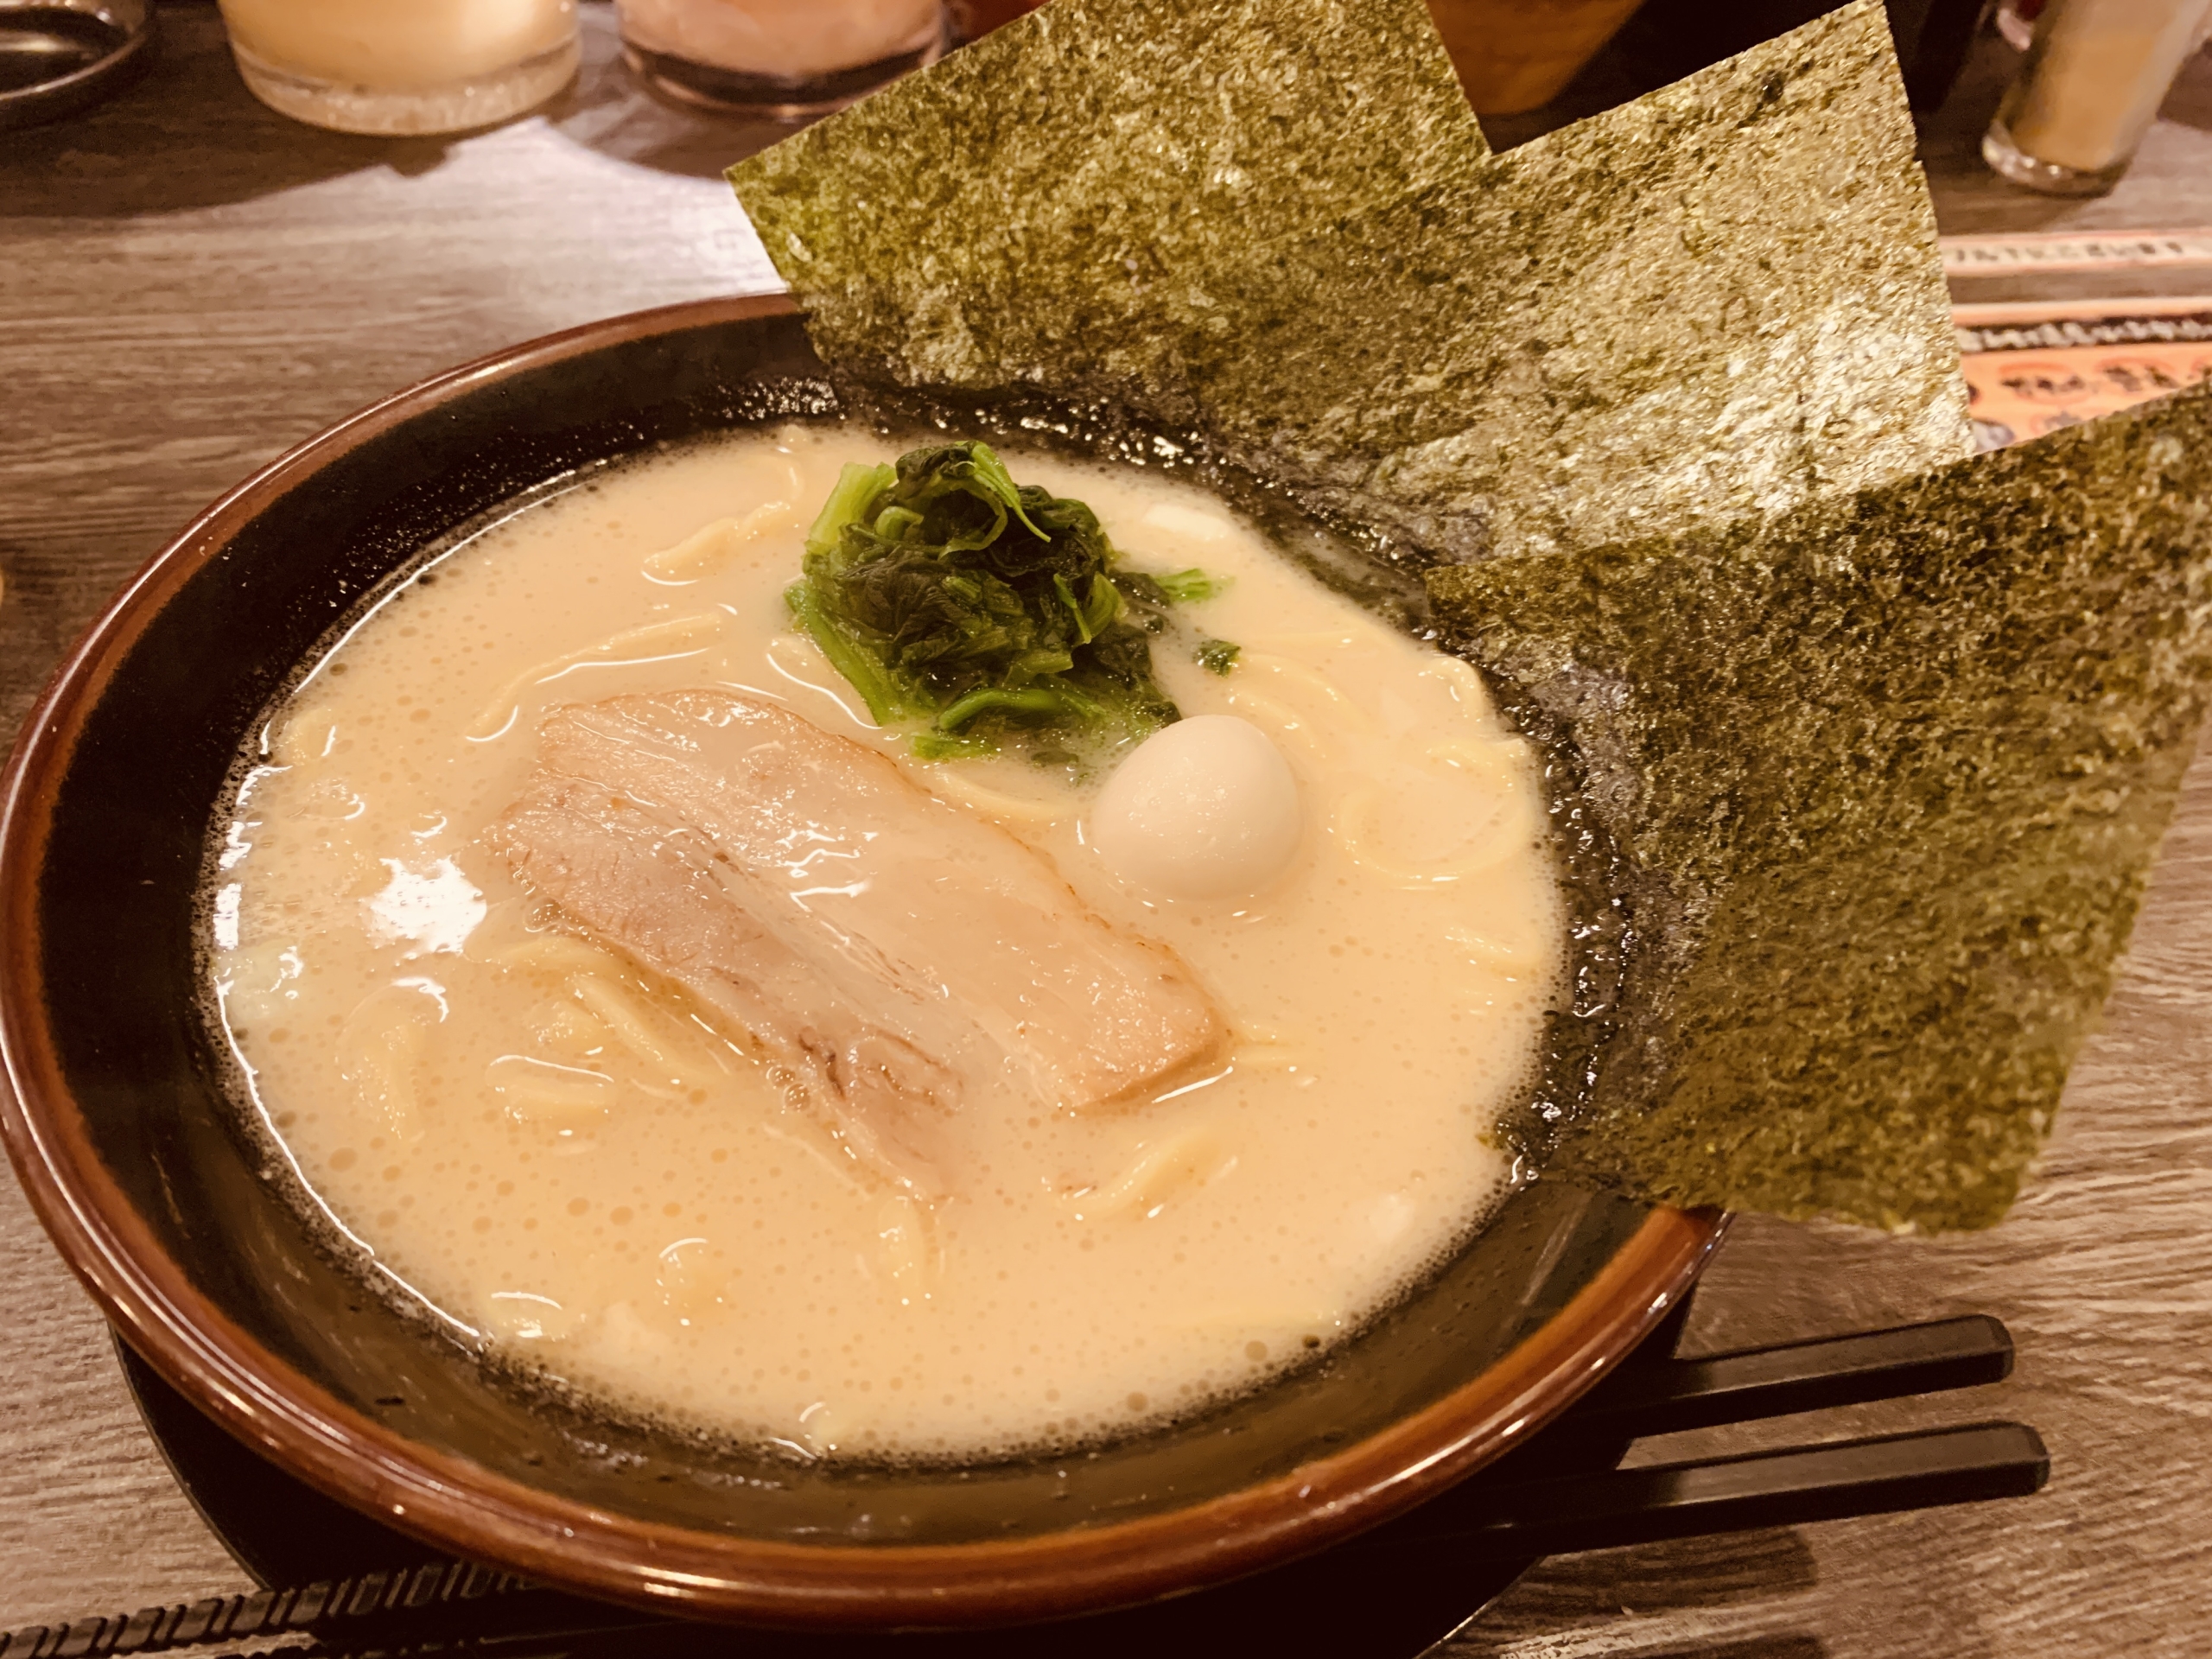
point(1873, 759)
point(1084, 180)
point(1724, 296)
point(1275, 220)
point(1887, 774)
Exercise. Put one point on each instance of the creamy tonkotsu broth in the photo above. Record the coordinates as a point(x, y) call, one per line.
point(603, 1174)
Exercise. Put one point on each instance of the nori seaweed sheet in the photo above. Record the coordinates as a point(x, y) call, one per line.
point(1073, 191)
point(1887, 775)
point(1880, 760)
point(1274, 221)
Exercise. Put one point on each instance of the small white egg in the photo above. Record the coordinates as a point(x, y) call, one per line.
point(1204, 809)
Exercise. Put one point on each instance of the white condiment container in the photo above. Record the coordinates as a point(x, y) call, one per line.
point(2089, 90)
point(403, 65)
point(782, 58)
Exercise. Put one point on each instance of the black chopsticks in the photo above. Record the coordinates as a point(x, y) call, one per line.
point(1671, 1395)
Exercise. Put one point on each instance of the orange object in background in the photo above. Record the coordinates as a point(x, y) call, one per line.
point(2033, 368)
point(1513, 55)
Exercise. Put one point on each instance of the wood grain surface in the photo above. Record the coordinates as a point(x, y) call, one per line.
point(189, 285)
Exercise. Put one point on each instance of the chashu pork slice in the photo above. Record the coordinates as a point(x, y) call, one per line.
point(907, 961)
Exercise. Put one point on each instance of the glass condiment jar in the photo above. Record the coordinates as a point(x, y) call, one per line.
point(403, 65)
point(2089, 89)
point(785, 59)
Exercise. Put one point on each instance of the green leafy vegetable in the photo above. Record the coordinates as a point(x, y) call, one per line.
point(943, 745)
point(1217, 656)
point(948, 593)
point(1190, 587)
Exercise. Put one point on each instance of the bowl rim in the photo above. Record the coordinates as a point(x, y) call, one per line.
point(455, 1504)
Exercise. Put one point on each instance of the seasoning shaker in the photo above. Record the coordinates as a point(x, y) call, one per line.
point(2088, 90)
point(785, 60)
point(401, 67)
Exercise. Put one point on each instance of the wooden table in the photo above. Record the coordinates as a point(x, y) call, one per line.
point(191, 284)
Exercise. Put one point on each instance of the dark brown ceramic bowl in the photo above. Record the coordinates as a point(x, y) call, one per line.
point(160, 1201)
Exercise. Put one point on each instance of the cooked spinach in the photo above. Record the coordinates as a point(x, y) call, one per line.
point(949, 595)
point(1189, 586)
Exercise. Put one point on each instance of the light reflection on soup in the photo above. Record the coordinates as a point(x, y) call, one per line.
point(605, 1175)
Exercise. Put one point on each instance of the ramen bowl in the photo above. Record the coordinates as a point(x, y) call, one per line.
point(177, 1218)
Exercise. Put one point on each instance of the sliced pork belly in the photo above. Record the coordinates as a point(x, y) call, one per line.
point(909, 962)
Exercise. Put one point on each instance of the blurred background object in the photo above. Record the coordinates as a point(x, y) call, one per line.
point(2091, 85)
point(1532, 65)
point(1660, 42)
point(2016, 21)
point(58, 56)
point(786, 59)
point(1514, 54)
point(973, 17)
point(400, 66)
